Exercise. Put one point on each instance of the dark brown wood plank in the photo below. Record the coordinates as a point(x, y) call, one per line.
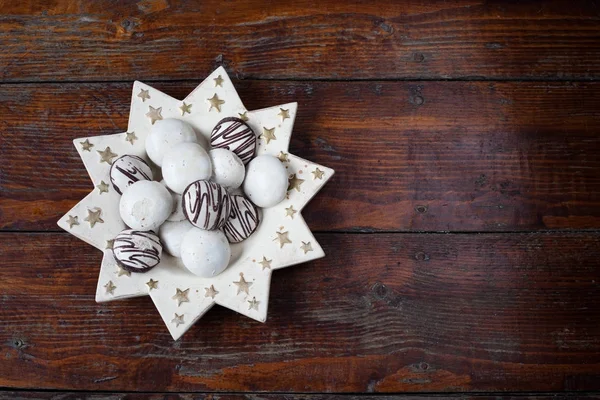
point(433, 156)
point(386, 39)
point(26, 395)
point(382, 313)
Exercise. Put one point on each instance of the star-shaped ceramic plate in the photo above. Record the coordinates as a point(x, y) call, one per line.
point(281, 240)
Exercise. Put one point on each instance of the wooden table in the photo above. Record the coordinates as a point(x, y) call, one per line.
point(462, 228)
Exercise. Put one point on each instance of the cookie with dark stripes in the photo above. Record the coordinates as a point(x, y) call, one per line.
point(127, 170)
point(137, 251)
point(243, 220)
point(235, 135)
point(206, 205)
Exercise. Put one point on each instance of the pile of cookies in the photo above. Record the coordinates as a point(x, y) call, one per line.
point(209, 195)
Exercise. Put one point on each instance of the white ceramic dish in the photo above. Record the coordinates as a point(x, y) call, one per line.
point(281, 240)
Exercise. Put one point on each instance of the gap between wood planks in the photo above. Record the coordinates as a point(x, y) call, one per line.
point(245, 79)
point(10, 393)
point(266, 395)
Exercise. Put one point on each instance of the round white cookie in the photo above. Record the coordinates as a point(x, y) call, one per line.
point(171, 234)
point(145, 205)
point(185, 163)
point(266, 181)
point(165, 134)
point(228, 169)
point(205, 253)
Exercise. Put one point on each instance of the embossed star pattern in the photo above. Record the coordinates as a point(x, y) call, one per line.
point(106, 155)
point(283, 238)
point(242, 285)
point(178, 320)
point(295, 182)
point(144, 95)
point(72, 220)
point(216, 103)
point(289, 212)
point(235, 291)
point(284, 114)
point(152, 284)
point(211, 292)
point(110, 287)
point(283, 157)
point(306, 247)
point(155, 114)
point(318, 174)
point(253, 304)
point(268, 134)
point(86, 146)
point(94, 217)
point(185, 108)
point(102, 187)
point(181, 296)
point(265, 263)
point(130, 137)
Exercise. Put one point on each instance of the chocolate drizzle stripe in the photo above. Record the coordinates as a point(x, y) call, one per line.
point(206, 205)
point(243, 220)
point(131, 257)
point(235, 135)
point(132, 172)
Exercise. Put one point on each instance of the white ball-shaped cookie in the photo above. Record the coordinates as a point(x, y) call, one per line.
point(205, 253)
point(145, 205)
point(165, 134)
point(185, 163)
point(171, 235)
point(266, 181)
point(228, 169)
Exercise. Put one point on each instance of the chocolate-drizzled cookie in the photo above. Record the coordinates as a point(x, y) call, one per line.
point(242, 221)
point(137, 251)
point(235, 135)
point(206, 205)
point(127, 170)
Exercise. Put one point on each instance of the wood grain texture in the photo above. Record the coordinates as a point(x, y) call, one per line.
point(12, 395)
point(386, 39)
point(382, 313)
point(431, 156)
point(478, 315)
